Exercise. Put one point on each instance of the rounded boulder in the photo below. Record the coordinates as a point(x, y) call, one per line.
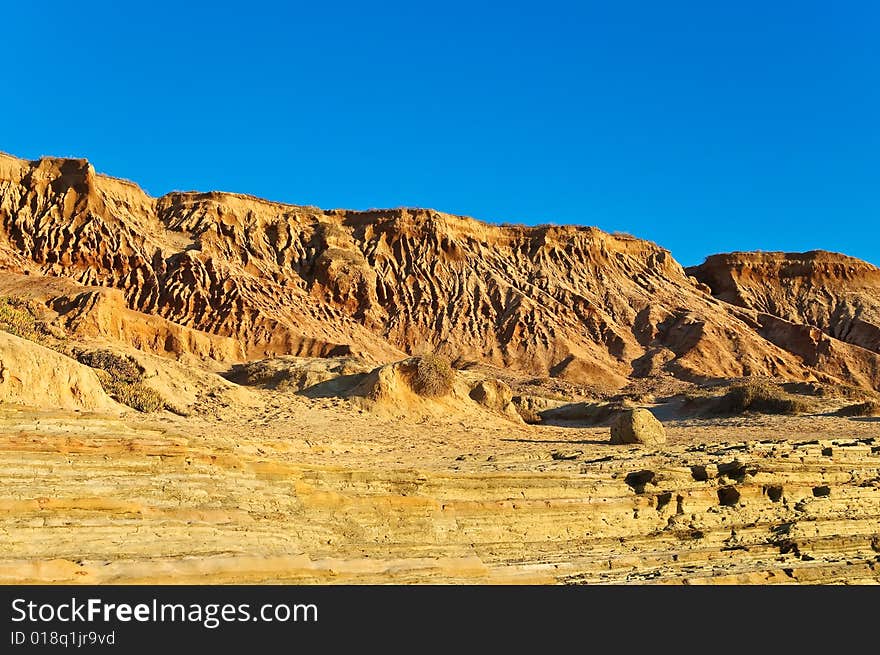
point(637, 426)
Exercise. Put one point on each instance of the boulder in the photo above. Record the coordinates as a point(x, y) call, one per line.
point(637, 426)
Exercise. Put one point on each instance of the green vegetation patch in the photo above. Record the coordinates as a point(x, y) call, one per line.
point(122, 379)
point(19, 317)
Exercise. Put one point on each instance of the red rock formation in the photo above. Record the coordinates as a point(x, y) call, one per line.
point(572, 302)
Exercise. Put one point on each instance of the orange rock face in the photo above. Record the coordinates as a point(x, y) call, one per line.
point(823, 307)
point(249, 278)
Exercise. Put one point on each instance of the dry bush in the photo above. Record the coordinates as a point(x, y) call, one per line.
point(122, 379)
point(263, 373)
point(120, 376)
point(136, 395)
point(869, 408)
point(433, 376)
point(699, 394)
point(18, 317)
point(760, 396)
point(825, 390)
point(121, 368)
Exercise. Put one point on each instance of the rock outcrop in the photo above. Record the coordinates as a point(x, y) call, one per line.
point(749, 512)
point(36, 376)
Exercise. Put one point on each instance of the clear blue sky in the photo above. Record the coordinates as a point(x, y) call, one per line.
point(703, 126)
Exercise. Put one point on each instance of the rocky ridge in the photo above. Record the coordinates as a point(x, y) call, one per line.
point(248, 278)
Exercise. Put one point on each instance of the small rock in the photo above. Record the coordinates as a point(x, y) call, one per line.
point(637, 426)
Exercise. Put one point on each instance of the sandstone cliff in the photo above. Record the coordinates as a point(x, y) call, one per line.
point(822, 306)
point(837, 294)
point(569, 302)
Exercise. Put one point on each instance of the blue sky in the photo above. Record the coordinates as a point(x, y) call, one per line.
point(706, 127)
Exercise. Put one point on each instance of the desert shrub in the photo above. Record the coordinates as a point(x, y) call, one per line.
point(122, 379)
point(760, 396)
point(18, 317)
point(868, 408)
point(136, 395)
point(698, 394)
point(825, 390)
point(264, 372)
point(121, 368)
point(433, 376)
point(120, 376)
